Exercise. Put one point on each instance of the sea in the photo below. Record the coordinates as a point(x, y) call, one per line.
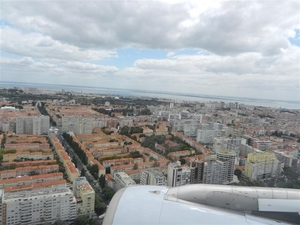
point(176, 97)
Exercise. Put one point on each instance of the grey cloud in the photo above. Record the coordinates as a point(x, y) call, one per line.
point(235, 27)
point(248, 63)
point(36, 45)
point(27, 66)
point(106, 24)
point(248, 26)
point(89, 67)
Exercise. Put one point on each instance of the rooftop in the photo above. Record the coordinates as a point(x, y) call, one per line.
point(38, 192)
point(28, 187)
point(25, 178)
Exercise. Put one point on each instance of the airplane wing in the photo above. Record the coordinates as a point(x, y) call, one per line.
point(199, 204)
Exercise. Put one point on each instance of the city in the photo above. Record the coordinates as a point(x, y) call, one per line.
point(69, 152)
point(156, 112)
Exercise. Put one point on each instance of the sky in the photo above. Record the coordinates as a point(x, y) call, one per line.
point(230, 48)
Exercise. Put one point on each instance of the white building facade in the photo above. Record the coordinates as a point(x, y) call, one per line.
point(153, 177)
point(122, 180)
point(35, 125)
point(37, 206)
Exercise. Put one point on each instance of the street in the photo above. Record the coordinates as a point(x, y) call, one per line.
point(80, 166)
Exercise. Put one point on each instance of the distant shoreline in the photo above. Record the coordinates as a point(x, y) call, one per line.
point(160, 94)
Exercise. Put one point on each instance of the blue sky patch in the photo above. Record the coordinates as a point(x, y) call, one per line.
point(9, 55)
point(5, 23)
point(295, 40)
point(128, 56)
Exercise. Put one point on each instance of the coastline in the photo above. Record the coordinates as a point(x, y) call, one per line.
point(167, 95)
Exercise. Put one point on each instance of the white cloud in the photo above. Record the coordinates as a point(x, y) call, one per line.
point(25, 68)
point(33, 44)
point(247, 63)
point(89, 67)
point(170, 54)
point(222, 27)
point(243, 46)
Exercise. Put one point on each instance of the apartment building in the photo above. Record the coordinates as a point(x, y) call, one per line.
point(39, 205)
point(199, 147)
point(212, 172)
point(122, 180)
point(71, 171)
point(101, 169)
point(229, 144)
point(30, 179)
point(176, 155)
point(262, 165)
point(82, 189)
point(123, 161)
point(262, 145)
point(288, 160)
point(29, 187)
point(153, 177)
point(47, 155)
point(32, 125)
point(206, 172)
point(28, 163)
point(227, 157)
point(23, 171)
point(177, 175)
point(77, 124)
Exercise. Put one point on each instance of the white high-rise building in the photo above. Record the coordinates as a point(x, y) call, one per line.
point(44, 124)
point(77, 124)
point(209, 131)
point(212, 172)
point(122, 180)
point(32, 125)
point(37, 206)
point(206, 172)
point(177, 175)
point(227, 157)
point(153, 177)
point(228, 143)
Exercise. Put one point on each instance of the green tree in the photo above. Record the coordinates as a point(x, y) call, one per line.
point(100, 206)
point(3, 141)
point(94, 170)
point(74, 160)
point(108, 192)
point(32, 173)
point(124, 130)
point(84, 220)
point(81, 220)
point(134, 130)
point(135, 154)
point(59, 222)
point(102, 181)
